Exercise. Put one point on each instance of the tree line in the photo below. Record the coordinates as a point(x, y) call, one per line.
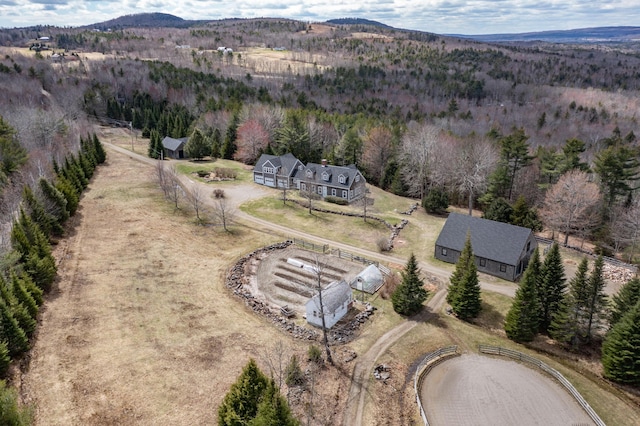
point(28, 269)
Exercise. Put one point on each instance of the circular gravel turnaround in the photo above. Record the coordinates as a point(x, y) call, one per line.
point(480, 390)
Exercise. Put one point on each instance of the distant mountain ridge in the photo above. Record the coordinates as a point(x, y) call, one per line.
point(155, 19)
point(582, 35)
point(620, 34)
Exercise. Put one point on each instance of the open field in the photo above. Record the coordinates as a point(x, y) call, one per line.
point(140, 328)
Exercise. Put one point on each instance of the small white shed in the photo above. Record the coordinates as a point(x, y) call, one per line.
point(369, 280)
point(336, 300)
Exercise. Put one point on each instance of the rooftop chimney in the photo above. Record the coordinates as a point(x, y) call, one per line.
point(324, 162)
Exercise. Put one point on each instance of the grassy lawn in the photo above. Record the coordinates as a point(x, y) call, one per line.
point(243, 173)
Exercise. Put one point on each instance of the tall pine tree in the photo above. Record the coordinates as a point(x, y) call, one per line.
point(464, 290)
point(240, 404)
point(408, 297)
point(273, 409)
point(521, 322)
point(624, 300)
point(596, 298)
point(567, 323)
point(552, 287)
point(621, 349)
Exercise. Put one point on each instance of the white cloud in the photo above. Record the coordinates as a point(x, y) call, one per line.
point(437, 16)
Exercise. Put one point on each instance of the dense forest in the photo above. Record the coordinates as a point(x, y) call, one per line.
point(516, 119)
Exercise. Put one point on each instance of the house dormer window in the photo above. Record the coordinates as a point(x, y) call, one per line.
point(309, 174)
point(325, 176)
point(342, 179)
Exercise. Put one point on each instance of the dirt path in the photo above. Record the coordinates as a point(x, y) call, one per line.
point(460, 390)
point(366, 362)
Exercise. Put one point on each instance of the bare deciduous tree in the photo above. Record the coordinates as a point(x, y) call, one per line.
point(569, 204)
point(196, 198)
point(319, 268)
point(169, 182)
point(276, 358)
point(473, 161)
point(377, 150)
point(252, 140)
point(224, 214)
point(417, 151)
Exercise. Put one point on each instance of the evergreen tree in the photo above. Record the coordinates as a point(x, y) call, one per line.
point(23, 296)
point(216, 143)
point(152, 148)
point(464, 290)
point(240, 404)
point(197, 146)
point(70, 193)
point(12, 154)
point(273, 409)
point(621, 349)
point(31, 287)
point(55, 201)
point(101, 155)
point(499, 210)
point(596, 298)
point(462, 265)
point(624, 300)
point(11, 414)
point(521, 322)
point(5, 362)
point(524, 216)
point(46, 221)
point(567, 323)
point(10, 331)
point(409, 296)
point(229, 144)
point(552, 287)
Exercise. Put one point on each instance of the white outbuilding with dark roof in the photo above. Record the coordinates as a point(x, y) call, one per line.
point(500, 249)
point(336, 300)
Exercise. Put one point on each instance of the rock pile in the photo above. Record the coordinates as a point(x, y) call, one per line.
point(381, 372)
point(412, 209)
point(618, 274)
point(347, 333)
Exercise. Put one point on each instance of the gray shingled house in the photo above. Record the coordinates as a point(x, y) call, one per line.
point(276, 171)
point(500, 249)
point(174, 148)
point(344, 182)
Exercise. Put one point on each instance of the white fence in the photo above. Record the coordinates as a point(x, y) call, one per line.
point(496, 350)
point(430, 360)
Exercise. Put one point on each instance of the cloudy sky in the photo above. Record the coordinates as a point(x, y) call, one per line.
point(437, 16)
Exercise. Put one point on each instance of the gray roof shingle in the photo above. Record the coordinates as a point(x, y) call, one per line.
point(493, 240)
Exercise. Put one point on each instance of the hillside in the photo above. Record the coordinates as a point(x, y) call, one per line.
point(583, 36)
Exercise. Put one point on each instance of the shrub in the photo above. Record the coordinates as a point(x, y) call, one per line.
point(225, 173)
point(293, 373)
point(336, 200)
point(390, 285)
point(384, 244)
point(315, 354)
point(202, 173)
point(436, 201)
point(218, 193)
